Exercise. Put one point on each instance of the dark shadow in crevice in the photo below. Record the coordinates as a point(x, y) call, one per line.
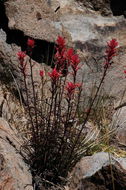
point(118, 7)
point(102, 179)
point(43, 51)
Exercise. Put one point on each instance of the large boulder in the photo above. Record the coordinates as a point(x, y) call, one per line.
point(14, 173)
point(99, 171)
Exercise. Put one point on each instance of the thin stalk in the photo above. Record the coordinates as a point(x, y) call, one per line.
point(17, 87)
point(34, 96)
point(88, 113)
point(113, 184)
point(29, 110)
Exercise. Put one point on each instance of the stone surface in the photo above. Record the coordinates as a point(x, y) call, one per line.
point(119, 123)
point(103, 6)
point(86, 25)
point(35, 18)
point(10, 74)
point(14, 173)
point(93, 172)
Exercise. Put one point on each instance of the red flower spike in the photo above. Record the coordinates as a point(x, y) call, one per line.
point(42, 73)
point(113, 43)
point(110, 51)
point(54, 75)
point(60, 42)
point(74, 63)
point(31, 43)
point(70, 87)
point(21, 55)
point(75, 59)
point(69, 53)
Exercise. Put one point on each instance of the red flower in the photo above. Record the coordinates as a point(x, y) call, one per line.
point(112, 43)
point(31, 43)
point(21, 55)
point(70, 87)
point(54, 75)
point(75, 60)
point(111, 51)
point(60, 54)
point(74, 63)
point(60, 42)
point(61, 62)
point(42, 73)
point(69, 53)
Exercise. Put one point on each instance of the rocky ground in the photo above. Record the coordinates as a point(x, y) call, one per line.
point(87, 26)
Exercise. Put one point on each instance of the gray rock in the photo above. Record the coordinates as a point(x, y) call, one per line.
point(14, 173)
point(94, 172)
point(119, 123)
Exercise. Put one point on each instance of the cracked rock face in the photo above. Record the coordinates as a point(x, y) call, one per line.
point(94, 172)
point(14, 173)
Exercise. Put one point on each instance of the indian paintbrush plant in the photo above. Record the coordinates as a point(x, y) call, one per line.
point(55, 142)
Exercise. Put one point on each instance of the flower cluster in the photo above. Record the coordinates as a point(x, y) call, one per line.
point(110, 51)
point(66, 57)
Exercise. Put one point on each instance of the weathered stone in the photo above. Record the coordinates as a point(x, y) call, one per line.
point(14, 173)
point(23, 16)
point(94, 172)
point(119, 124)
point(103, 6)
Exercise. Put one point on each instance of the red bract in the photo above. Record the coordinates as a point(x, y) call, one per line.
point(112, 43)
point(111, 51)
point(74, 63)
point(42, 73)
point(21, 55)
point(31, 43)
point(69, 53)
point(70, 87)
point(60, 54)
point(60, 42)
point(54, 75)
